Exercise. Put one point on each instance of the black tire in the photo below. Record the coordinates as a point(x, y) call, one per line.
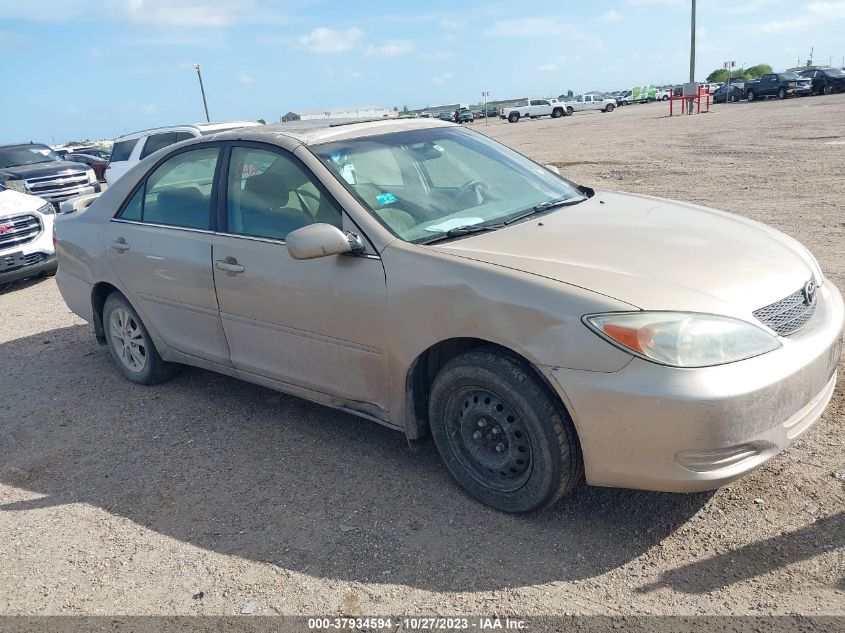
point(50, 272)
point(827, 90)
point(503, 437)
point(155, 369)
point(665, 98)
point(781, 93)
point(734, 99)
point(609, 108)
point(513, 117)
point(570, 111)
point(557, 113)
point(750, 95)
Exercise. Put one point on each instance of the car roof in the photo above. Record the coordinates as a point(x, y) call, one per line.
point(317, 131)
point(203, 128)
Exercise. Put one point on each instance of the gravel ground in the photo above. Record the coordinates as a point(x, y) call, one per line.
point(206, 495)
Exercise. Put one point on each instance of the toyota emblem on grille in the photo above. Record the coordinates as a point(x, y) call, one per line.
point(5, 228)
point(810, 292)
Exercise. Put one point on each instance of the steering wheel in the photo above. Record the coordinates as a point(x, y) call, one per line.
point(477, 187)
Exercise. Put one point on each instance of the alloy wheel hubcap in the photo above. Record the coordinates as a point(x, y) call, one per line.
point(491, 440)
point(128, 340)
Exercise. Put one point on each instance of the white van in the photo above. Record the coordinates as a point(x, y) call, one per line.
point(130, 149)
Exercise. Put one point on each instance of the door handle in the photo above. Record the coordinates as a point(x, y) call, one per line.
point(230, 265)
point(120, 245)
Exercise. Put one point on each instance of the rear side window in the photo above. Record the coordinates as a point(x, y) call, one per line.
point(178, 192)
point(122, 150)
point(157, 142)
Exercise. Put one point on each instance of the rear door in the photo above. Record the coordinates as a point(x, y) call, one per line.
point(159, 246)
point(315, 324)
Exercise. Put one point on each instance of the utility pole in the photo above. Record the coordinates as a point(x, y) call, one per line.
point(202, 90)
point(692, 46)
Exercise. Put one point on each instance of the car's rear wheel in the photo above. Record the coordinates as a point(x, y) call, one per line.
point(506, 441)
point(782, 93)
point(828, 89)
point(130, 343)
point(751, 96)
point(513, 117)
point(734, 98)
point(570, 111)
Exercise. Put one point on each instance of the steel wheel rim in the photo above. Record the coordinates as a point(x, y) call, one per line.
point(128, 340)
point(489, 439)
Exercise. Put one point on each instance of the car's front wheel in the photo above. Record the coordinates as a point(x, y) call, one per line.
point(570, 111)
point(609, 108)
point(782, 93)
point(751, 95)
point(130, 343)
point(501, 434)
point(513, 117)
point(828, 89)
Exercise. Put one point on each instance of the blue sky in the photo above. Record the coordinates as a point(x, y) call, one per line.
point(99, 68)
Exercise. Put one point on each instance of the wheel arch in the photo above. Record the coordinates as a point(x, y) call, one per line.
point(427, 364)
point(99, 293)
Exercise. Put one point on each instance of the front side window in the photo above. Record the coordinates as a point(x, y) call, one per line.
point(178, 192)
point(421, 184)
point(270, 194)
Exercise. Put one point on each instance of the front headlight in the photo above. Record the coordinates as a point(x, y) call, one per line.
point(683, 339)
point(16, 185)
point(47, 209)
point(92, 177)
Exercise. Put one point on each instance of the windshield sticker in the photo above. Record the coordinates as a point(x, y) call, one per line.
point(385, 199)
point(454, 223)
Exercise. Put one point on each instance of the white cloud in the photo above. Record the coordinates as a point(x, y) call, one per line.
point(546, 68)
point(440, 56)
point(323, 40)
point(827, 9)
point(778, 26)
point(184, 13)
point(390, 48)
point(443, 78)
point(246, 78)
point(612, 16)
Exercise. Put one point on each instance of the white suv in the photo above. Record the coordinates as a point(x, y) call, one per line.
point(26, 236)
point(131, 149)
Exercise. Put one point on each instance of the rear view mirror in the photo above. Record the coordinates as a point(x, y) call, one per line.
point(320, 240)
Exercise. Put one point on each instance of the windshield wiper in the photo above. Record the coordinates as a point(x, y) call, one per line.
point(540, 208)
point(459, 231)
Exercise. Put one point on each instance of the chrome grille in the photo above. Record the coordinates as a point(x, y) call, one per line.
point(790, 314)
point(58, 187)
point(19, 229)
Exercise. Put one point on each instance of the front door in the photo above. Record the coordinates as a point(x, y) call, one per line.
point(159, 246)
point(315, 324)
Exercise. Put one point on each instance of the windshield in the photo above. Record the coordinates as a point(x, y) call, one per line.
point(26, 155)
point(425, 183)
point(834, 72)
point(791, 76)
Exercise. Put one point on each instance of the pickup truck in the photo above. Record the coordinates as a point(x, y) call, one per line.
point(534, 108)
point(589, 103)
point(780, 85)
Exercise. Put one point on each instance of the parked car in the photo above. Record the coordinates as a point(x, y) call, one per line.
point(131, 149)
point(825, 80)
point(662, 94)
point(445, 115)
point(96, 163)
point(99, 152)
point(465, 115)
point(36, 169)
point(26, 236)
point(425, 115)
point(733, 92)
point(437, 299)
point(492, 112)
point(534, 108)
point(780, 85)
point(590, 103)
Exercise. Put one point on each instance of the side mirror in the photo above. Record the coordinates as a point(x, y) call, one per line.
point(553, 169)
point(321, 240)
point(78, 203)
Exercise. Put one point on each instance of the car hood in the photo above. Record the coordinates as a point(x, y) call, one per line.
point(14, 203)
point(22, 172)
point(653, 253)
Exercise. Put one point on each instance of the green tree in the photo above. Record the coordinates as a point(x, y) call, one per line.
point(755, 71)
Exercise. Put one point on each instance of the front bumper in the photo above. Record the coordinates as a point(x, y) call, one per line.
point(45, 262)
point(683, 430)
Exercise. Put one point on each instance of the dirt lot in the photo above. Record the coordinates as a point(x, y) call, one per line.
point(121, 499)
